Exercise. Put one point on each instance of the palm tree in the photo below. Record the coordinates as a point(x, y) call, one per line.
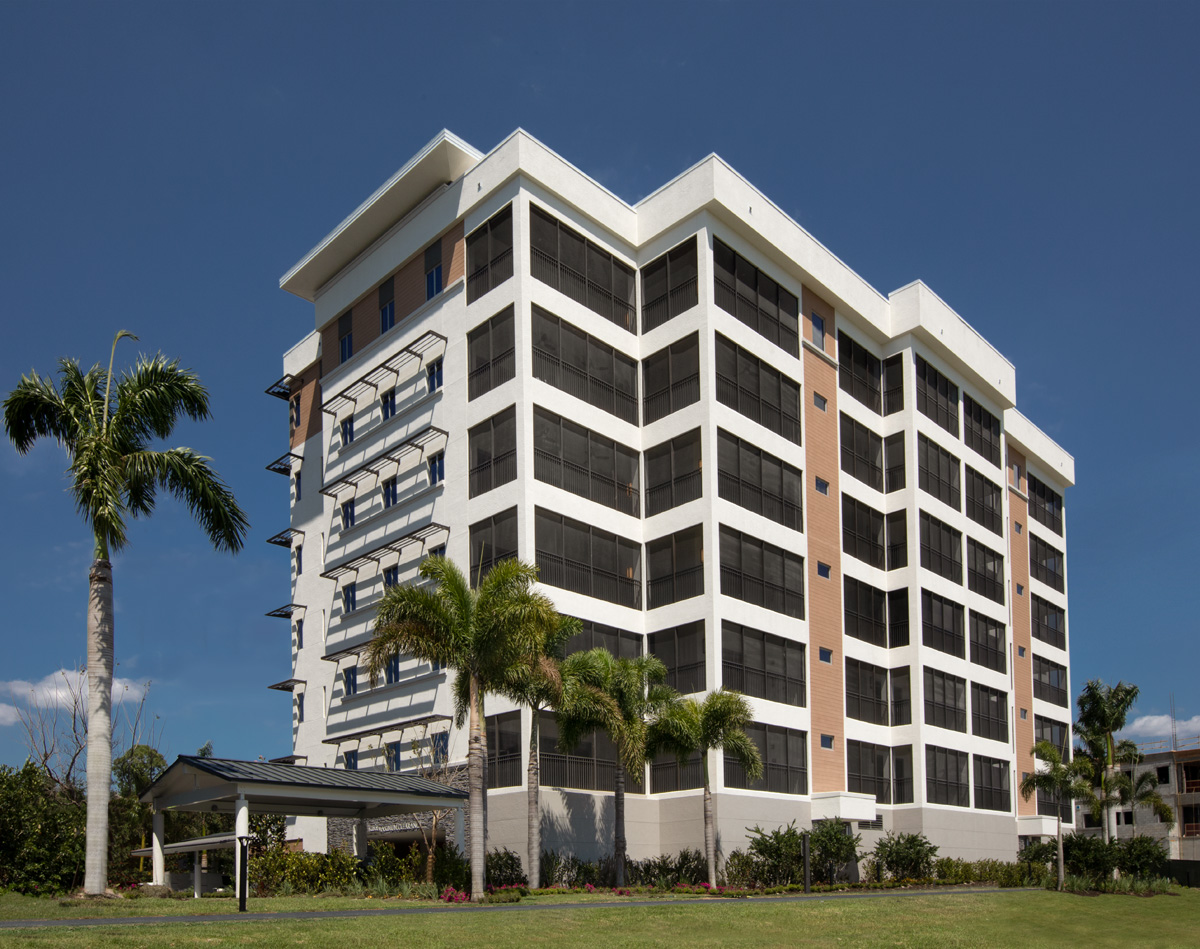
point(635, 689)
point(686, 727)
point(1102, 713)
point(486, 634)
point(1065, 781)
point(106, 430)
point(1142, 791)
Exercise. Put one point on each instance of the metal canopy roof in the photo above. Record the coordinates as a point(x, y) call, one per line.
point(285, 537)
point(283, 464)
point(376, 555)
point(377, 465)
point(286, 611)
point(282, 389)
point(289, 759)
point(210, 842)
point(383, 730)
point(388, 371)
point(216, 784)
point(287, 685)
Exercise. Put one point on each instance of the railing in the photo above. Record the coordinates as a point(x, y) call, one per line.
point(672, 776)
point(670, 304)
point(680, 585)
point(504, 771)
point(779, 778)
point(672, 398)
point(485, 378)
point(669, 494)
point(904, 791)
point(585, 483)
point(992, 799)
point(1191, 830)
point(753, 498)
point(772, 596)
point(687, 678)
point(760, 684)
point(575, 771)
point(576, 382)
point(746, 309)
point(752, 406)
point(583, 578)
point(893, 399)
point(481, 568)
point(575, 285)
point(490, 275)
point(1057, 695)
point(491, 474)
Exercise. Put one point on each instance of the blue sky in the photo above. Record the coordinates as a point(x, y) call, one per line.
point(163, 164)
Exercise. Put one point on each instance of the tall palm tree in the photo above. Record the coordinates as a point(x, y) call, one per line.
point(486, 634)
point(1065, 781)
point(1142, 791)
point(687, 726)
point(106, 430)
point(635, 689)
point(1103, 709)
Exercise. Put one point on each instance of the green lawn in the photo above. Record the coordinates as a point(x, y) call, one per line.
point(1017, 918)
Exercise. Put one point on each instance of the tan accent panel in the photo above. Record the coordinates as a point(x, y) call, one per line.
point(308, 385)
point(826, 696)
point(1021, 484)
point(811, 304)
point(454, 254)
point(1022, 672)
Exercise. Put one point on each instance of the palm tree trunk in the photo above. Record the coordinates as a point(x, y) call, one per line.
point(99, 724)
point(619, 822)
point(533, 870)
point(429, 856)
point(1060, 853)
point(476, 791)
point(710, 836)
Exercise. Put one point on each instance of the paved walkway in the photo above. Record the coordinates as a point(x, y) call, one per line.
point(464, 908)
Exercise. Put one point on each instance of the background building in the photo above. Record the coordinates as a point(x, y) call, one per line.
point(510, 360)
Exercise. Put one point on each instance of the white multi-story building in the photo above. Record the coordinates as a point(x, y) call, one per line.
point(509, 360)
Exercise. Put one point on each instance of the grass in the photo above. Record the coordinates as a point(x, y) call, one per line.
point(1016, 918)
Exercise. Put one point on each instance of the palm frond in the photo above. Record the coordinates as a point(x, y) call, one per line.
point(189, 477)
point(152, 396)
point(34, 410)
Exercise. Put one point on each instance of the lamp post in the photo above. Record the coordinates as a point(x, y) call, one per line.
point(243, 876)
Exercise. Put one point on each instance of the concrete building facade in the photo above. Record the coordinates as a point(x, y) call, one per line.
point(720, 445)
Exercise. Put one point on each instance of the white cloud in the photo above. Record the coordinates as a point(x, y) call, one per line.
point(61, 689)
point(1159, 726)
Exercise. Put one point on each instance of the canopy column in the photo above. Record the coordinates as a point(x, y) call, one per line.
point(196, 875)
point(241, 828)
point(158, 863)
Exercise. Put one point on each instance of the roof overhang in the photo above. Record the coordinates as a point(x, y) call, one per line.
point(445, 159)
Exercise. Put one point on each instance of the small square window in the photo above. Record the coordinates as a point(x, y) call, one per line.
point(391, 577)
point(827, 741)
point(433, 375)
point(391, 672)
point(1164, 774)
point(819, 401)
point(825, 655)
point(390, 494)
point(347, 514)
point(822, 486)
point(350, 597)
point(438, 551)
point(351, 759)
point(823, 570)
point(818, 327)
point(1017, 524)
point(387, 402)
point(437, 468)
point(1021, 652)
point(1024, 714)
point(350, 680)
point(1020, 589)
point(347, 431)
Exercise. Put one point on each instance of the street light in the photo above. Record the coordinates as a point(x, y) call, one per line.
point(243, 877)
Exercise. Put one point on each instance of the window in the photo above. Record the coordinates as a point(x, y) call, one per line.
point(938, 472)
point(941, 548)
point(991, 784)
point(667, 773)
point(859, 372)
point(747, 293)
point(820, 401)
point(989, 712)
point(347, 430)
point(818, 331)
point(671, 378)
point(942, 624)
point(350, 680)
point(827, 742)
point(438, 551)
point(1045, 505)
point(492, 540)
point(946, 777)
point(504, 758)
point(490, 354)
point(350, 597)
point(897, 617)
point(893, 455)
point(299, 634)
point(897, 539)
point(901, 696)
point(589, 765)
point(981, 430)
point(759, 481)
point(296, 479)
point(391, 672)
point(1021, 652)
point(893, 384)
point(394, 752)
point(391, 577)
point(985, 571)
point(983, 501)
point(350, 760)
point(862, 453)
point(757, 390)
point(492, 445)
point(988, 641)
point(1017, 526)
point(299, 707)
point(762, 665)
point(675, 566)
point(489, 256)
point(824, 571)
point(578, 460)
point(295, 411)
point(433, 270)
point(902, 770)
point(1057, 733)
point(669, 285)
point(437, 467)
point(869, 770)
point(1163, 773)
point(822, 486)
point(433, 376)
point(345, 337)
point(390, 492)
point(937, 397)
point(347, 514)
point(784, 753)
point(1046, 564)
point(673, 473)
point(862, 532)
point(387, 404)
point(575, 556)
point(865, 609)
point(580, 269)
point(620, 642)
point(866, 692)
point(299, 559)
point(583, 366)
point(1050, 681)
point(945, 700)
point(825, 655)
point(1051, 805)
point(387, 305)
point(761, 573)
point(681, 649)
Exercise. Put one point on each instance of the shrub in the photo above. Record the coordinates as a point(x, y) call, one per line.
point(1090, 857)
point(504, 868)
point(832, 847)
point(778, 856)
point(391, 868)
point(741, 870)
point(451, 868)
point(503, 896)
point(1142, 857)
point(42, 833)
point(906, 856)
